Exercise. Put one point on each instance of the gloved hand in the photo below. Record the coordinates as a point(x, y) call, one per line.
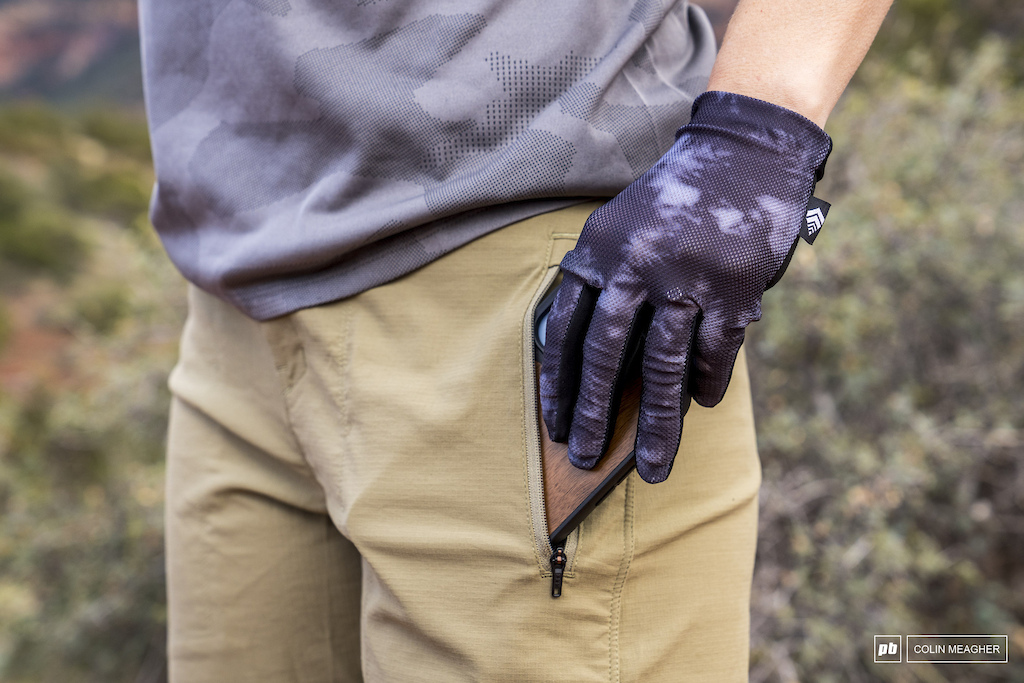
point(684, 253)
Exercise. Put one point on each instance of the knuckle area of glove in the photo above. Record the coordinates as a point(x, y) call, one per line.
point(725, 320)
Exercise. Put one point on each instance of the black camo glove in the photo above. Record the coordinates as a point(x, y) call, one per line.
point(683, 254)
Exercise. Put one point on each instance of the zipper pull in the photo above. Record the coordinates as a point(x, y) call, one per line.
point(558, 562)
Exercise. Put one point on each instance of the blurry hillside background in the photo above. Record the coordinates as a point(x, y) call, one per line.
point(888, 370)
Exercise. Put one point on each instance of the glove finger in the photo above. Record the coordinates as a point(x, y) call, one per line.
point(714, 357)
point(563, 353)
point(664, 399)
point(604, 360)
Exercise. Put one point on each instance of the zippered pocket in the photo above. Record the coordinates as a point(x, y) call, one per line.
point(554, 563)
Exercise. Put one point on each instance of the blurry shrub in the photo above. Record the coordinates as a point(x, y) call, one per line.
point(99, 161)
point(887, 375)
point(36, 237)
point(6, 328)
point(30, 127)
point(13, 197)
point(43, 241)
point(119, 131)
point(81, 477)
point(931, 35)
point(118, 193)
point(103, 306)
point(83, 538)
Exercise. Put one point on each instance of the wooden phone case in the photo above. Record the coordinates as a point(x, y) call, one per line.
point(570, 494)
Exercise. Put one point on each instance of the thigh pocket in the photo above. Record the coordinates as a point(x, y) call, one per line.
point(555, 562)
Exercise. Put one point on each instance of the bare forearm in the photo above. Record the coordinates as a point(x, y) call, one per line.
point(798, 54)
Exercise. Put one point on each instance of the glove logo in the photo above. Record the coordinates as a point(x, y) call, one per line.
point(817, 211)
point(814, 220)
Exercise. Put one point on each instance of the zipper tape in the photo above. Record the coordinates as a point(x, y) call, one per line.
point(534, 467)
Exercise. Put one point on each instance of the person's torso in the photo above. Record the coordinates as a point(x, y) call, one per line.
point(308, 149)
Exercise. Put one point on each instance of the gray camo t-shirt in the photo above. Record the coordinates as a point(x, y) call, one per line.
point(307, 150)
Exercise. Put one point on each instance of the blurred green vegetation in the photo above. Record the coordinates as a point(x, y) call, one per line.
point(33, 234)
point(933, 36)
point(5, 327)
point(81, 472)
point(887, 373)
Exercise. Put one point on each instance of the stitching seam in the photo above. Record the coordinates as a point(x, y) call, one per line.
point(615, 616)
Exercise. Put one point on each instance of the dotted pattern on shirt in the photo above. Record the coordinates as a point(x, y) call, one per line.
point(642, 60)
point(389, 228)
point(648, 13)
point(278, 8)
point(536, 154)
point(530, 88)
point(633, 127)
point(366, 92)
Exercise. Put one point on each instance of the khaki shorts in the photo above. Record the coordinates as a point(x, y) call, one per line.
point(353, 494)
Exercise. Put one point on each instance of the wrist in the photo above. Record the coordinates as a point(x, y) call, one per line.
point(803, 98)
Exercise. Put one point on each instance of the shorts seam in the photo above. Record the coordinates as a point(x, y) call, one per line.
point(329, 589)
point(615, 614)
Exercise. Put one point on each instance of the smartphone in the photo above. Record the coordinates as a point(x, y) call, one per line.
point(570, 493)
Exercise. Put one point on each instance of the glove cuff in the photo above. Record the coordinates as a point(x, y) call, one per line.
point(775, 128)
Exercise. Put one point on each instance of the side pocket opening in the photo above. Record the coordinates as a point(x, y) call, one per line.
point(534, 466)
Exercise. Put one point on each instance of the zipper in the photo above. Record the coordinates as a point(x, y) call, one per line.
point(560, 560)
